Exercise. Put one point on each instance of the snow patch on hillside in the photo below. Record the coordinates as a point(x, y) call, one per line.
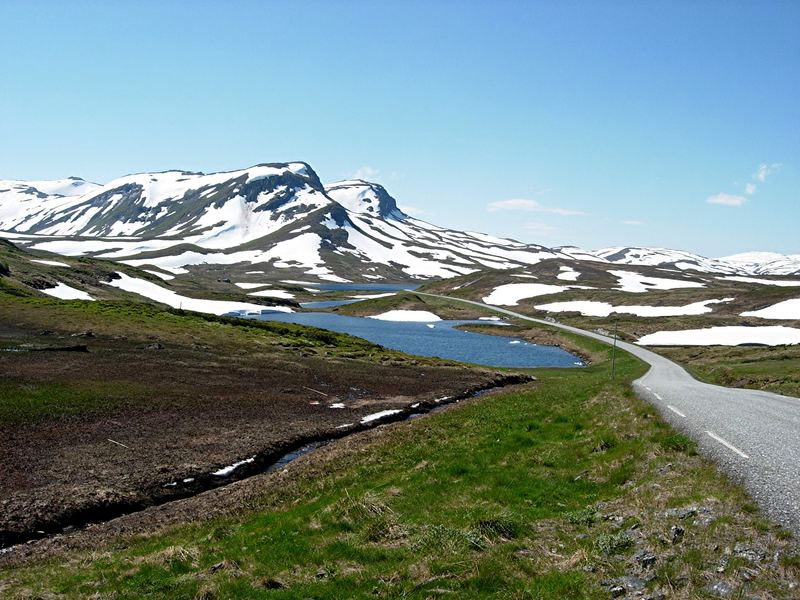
point(724, 336)
point(163, 295)
point(778, 282)
point(511, 293)
point(788, 309)
point(591, 308)
point(163, 276)
point(273, 294)
point(372, 296)
point(568, 274)
point(637, 283)
point(65, 292)
point(251, 286)
point(302, 252)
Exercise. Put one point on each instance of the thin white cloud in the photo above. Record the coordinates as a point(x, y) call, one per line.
point(726, 199)
point(539, 228)
point(366, 172)
point(765, 170)
point(633, 222)
point(749, 188)
point(525, 205)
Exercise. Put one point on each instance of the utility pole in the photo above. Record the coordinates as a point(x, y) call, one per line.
point(614, 352)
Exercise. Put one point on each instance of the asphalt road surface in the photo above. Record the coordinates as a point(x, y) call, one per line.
point(754, 436)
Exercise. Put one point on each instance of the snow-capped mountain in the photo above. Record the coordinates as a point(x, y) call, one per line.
point(215, 211)
point(664, 257)
point(281, 217)
point(278, 215)
point(749, 263)
point(363, 197)
point(766, 263)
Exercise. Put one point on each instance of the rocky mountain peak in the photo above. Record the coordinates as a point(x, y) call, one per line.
point(365, 197)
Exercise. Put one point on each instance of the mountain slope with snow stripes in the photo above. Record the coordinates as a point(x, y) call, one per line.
point(282, 216)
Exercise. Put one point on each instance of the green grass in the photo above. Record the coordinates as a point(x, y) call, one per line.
point(147, 321)
point(24, 403)
point(502, 497)
point(775, 369)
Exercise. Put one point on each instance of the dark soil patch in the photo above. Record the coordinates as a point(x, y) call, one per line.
point(84, 434)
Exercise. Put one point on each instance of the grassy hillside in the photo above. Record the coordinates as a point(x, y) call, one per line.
point(108, 406)
point(571, 488)
point(23, 274)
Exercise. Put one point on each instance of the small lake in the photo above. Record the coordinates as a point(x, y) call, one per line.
point(363, 287)
point(329, 303)
point(439, 339)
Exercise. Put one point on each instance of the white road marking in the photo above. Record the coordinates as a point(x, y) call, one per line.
point(657, 396)
point(727, 444)
point(676, 411)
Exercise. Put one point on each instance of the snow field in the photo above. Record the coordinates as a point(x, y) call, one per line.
point(163, 295)
point(724, 336)
point(591, 308)
point(65, 292)
point(511, 293)
point(788, 309)
point(637, 283)
point(568, 274)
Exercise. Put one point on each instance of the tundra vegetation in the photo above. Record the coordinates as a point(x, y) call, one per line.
point(567, 487)
point(564, 487)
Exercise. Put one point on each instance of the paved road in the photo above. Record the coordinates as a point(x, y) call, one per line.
point(754, 436)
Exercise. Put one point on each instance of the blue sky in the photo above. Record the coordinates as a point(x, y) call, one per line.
point(670, 124)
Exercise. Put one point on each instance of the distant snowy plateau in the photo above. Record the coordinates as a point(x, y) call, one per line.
point(282, 218)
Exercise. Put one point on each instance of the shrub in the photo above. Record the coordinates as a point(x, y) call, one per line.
point(613, 543)
point(582, 516)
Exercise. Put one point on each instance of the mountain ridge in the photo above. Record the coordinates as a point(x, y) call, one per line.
point(282, 216)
